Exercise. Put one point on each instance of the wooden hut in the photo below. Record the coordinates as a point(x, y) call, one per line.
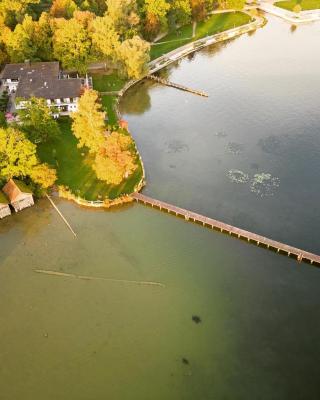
point(4, 206)
point(19, 194)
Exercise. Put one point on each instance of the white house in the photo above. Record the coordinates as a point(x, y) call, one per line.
point(42, 80)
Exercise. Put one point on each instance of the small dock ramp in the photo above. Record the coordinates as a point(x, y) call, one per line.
point(177, 86)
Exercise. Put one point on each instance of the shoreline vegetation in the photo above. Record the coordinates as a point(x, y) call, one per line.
point(298, 5)
point(91, 156)
point(76, 179)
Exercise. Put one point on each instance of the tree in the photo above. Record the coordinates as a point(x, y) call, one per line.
point(43, 37)
point(71, 45)
point(43, 175)
point(180, 11)
point(13, 11)
point(88, 124)
point(134, 57)
point(107, 170)
point(37, 121)
point(115, 160)
point(124, 15)
point(63, 8)
point(84, 18)
point(20, 43)
point(297, 8)
point(17, 154)
point(98, 7)
point(105, 39)
point(198, 8)
point(155, 16)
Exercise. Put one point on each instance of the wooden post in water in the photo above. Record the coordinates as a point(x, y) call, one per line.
point(63, 218)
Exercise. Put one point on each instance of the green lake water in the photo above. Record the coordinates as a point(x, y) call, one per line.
point(70, 339)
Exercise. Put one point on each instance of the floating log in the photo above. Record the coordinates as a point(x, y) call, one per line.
point(96, 278)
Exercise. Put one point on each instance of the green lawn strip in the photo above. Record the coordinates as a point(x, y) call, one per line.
point(107, 83)
point(305, 4)
point(214, 24)
point(74, 167)
point(108, 103)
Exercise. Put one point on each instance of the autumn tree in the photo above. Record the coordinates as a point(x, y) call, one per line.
point(155, 16)
point(124, 15)
point(88, 124)
point(37, 121)
point(98, 7)
point(63, 8)
point(17, 154)
point(42, 37)
point(71, 45)
point(134, 57)
point(20, 43)
point(198, 9)
point(84, 18)
point(43, 175)
point(180, 12)
point(115, 160)
point(13, 11)
point(105, 39)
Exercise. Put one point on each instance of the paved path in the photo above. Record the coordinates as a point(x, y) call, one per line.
point(177, 54)
point(290, 16)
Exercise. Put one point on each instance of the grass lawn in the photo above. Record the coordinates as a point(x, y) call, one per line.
point(214, 24)
point(108, 103)
point(74, 168)
point(107, 83)
point(305, 4)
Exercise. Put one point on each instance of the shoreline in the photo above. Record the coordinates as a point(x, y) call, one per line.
point(155, 66)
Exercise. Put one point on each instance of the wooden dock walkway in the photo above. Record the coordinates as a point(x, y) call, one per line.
point(281, 248)
point(177, 86)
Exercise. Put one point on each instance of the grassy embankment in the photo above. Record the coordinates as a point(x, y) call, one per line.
point(214, 24)
point(305, 4)
point(74, 168)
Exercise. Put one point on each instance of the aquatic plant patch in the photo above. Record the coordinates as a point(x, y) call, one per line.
point(264, 184)
point(237, 176)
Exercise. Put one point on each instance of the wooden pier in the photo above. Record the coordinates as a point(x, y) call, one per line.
point(281, 248)
point(177, 86)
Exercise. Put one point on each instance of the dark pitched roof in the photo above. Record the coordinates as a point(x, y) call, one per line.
point(49, 88)
point(45, 69)
point(41, 79)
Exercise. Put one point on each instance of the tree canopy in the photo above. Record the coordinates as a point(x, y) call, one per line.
point(37, 121)
point(18, 159)
point(76, 32)
point(88, 124)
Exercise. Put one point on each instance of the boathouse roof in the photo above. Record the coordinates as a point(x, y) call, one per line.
point(14, 189)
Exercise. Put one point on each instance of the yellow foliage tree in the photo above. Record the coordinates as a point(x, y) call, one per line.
point(134, 56)
point(43, 175)
point(88, 124)
point(115, 160)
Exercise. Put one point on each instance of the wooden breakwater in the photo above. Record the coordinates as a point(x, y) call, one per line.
point(281, 248)
point(177, 86)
